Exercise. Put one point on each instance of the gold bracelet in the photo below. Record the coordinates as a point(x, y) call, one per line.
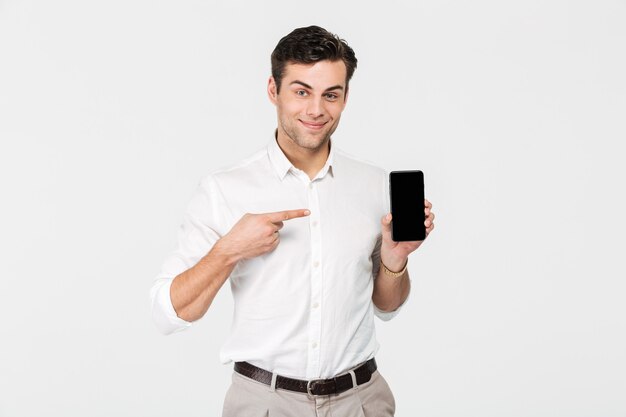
point(394, 274)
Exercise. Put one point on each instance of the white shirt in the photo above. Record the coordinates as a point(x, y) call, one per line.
point(305, 309)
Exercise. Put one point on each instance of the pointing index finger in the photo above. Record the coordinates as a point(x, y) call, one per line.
point(279, 216)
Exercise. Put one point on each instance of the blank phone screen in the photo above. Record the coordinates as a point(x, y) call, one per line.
point(406, 190)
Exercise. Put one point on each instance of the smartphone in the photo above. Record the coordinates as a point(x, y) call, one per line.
point(406, 192)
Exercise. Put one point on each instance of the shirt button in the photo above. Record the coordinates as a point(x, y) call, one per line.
point(310, 185)
point(314, 345)
point(316, 305)
point(316, 264)
point(314, 223)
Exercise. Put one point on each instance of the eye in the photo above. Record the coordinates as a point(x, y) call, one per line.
point(332, 96)
point(301, 93)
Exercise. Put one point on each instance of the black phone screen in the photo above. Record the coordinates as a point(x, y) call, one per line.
point(406, 191)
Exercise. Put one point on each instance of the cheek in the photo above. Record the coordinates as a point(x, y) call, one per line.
point(335, 109)
point(335, 112)
point(289, 108)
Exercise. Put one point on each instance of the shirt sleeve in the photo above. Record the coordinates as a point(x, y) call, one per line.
point(196, 236)
point(384, 315)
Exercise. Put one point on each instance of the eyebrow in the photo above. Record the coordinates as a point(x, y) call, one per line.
point(334, 87)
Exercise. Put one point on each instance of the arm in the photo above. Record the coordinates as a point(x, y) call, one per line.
point(193, 291)
point(389, 291)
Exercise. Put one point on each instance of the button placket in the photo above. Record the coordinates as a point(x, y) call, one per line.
point(315, 313)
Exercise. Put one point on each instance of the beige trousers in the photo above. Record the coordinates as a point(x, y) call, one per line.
point(249, 398)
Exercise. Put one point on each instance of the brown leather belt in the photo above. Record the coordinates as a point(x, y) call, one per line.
point(335, 385)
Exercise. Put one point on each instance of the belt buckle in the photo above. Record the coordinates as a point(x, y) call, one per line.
point(309, 389)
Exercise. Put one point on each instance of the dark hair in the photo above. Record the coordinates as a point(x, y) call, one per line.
point(308, 45)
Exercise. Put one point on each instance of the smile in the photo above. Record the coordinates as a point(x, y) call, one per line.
point(313, 126)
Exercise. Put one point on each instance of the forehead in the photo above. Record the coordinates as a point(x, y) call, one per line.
point(319, 75)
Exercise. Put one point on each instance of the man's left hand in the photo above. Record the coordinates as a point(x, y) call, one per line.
point(394, 254)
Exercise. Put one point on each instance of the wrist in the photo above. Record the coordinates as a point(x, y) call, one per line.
point(227, 256)
point(394, 263)
point(394, 272)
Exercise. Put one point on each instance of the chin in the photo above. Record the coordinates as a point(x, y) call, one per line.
point(316, 142)
point(307, 140)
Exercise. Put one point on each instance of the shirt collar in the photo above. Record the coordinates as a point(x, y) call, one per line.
point(282, 165)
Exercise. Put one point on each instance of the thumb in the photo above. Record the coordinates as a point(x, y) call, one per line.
point(386, 223)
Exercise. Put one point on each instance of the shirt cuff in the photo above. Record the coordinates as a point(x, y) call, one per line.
point(163, 313)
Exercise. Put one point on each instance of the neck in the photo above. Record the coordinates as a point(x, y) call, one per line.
point(308, 160)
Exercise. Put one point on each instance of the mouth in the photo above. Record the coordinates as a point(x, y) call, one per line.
point(313, 126)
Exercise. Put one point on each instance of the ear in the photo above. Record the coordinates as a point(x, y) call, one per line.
point(271, 89)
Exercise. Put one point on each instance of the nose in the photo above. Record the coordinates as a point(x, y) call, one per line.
point(315, 107)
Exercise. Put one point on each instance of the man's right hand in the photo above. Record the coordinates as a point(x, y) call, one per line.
point(256, 234)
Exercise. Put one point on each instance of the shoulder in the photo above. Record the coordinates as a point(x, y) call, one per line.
point(242, 169)
point(364, 178)
point(360, 165)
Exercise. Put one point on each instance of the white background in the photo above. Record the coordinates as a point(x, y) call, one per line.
point(111, 112)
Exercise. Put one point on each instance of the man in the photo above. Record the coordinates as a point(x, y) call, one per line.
point(302, 231)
